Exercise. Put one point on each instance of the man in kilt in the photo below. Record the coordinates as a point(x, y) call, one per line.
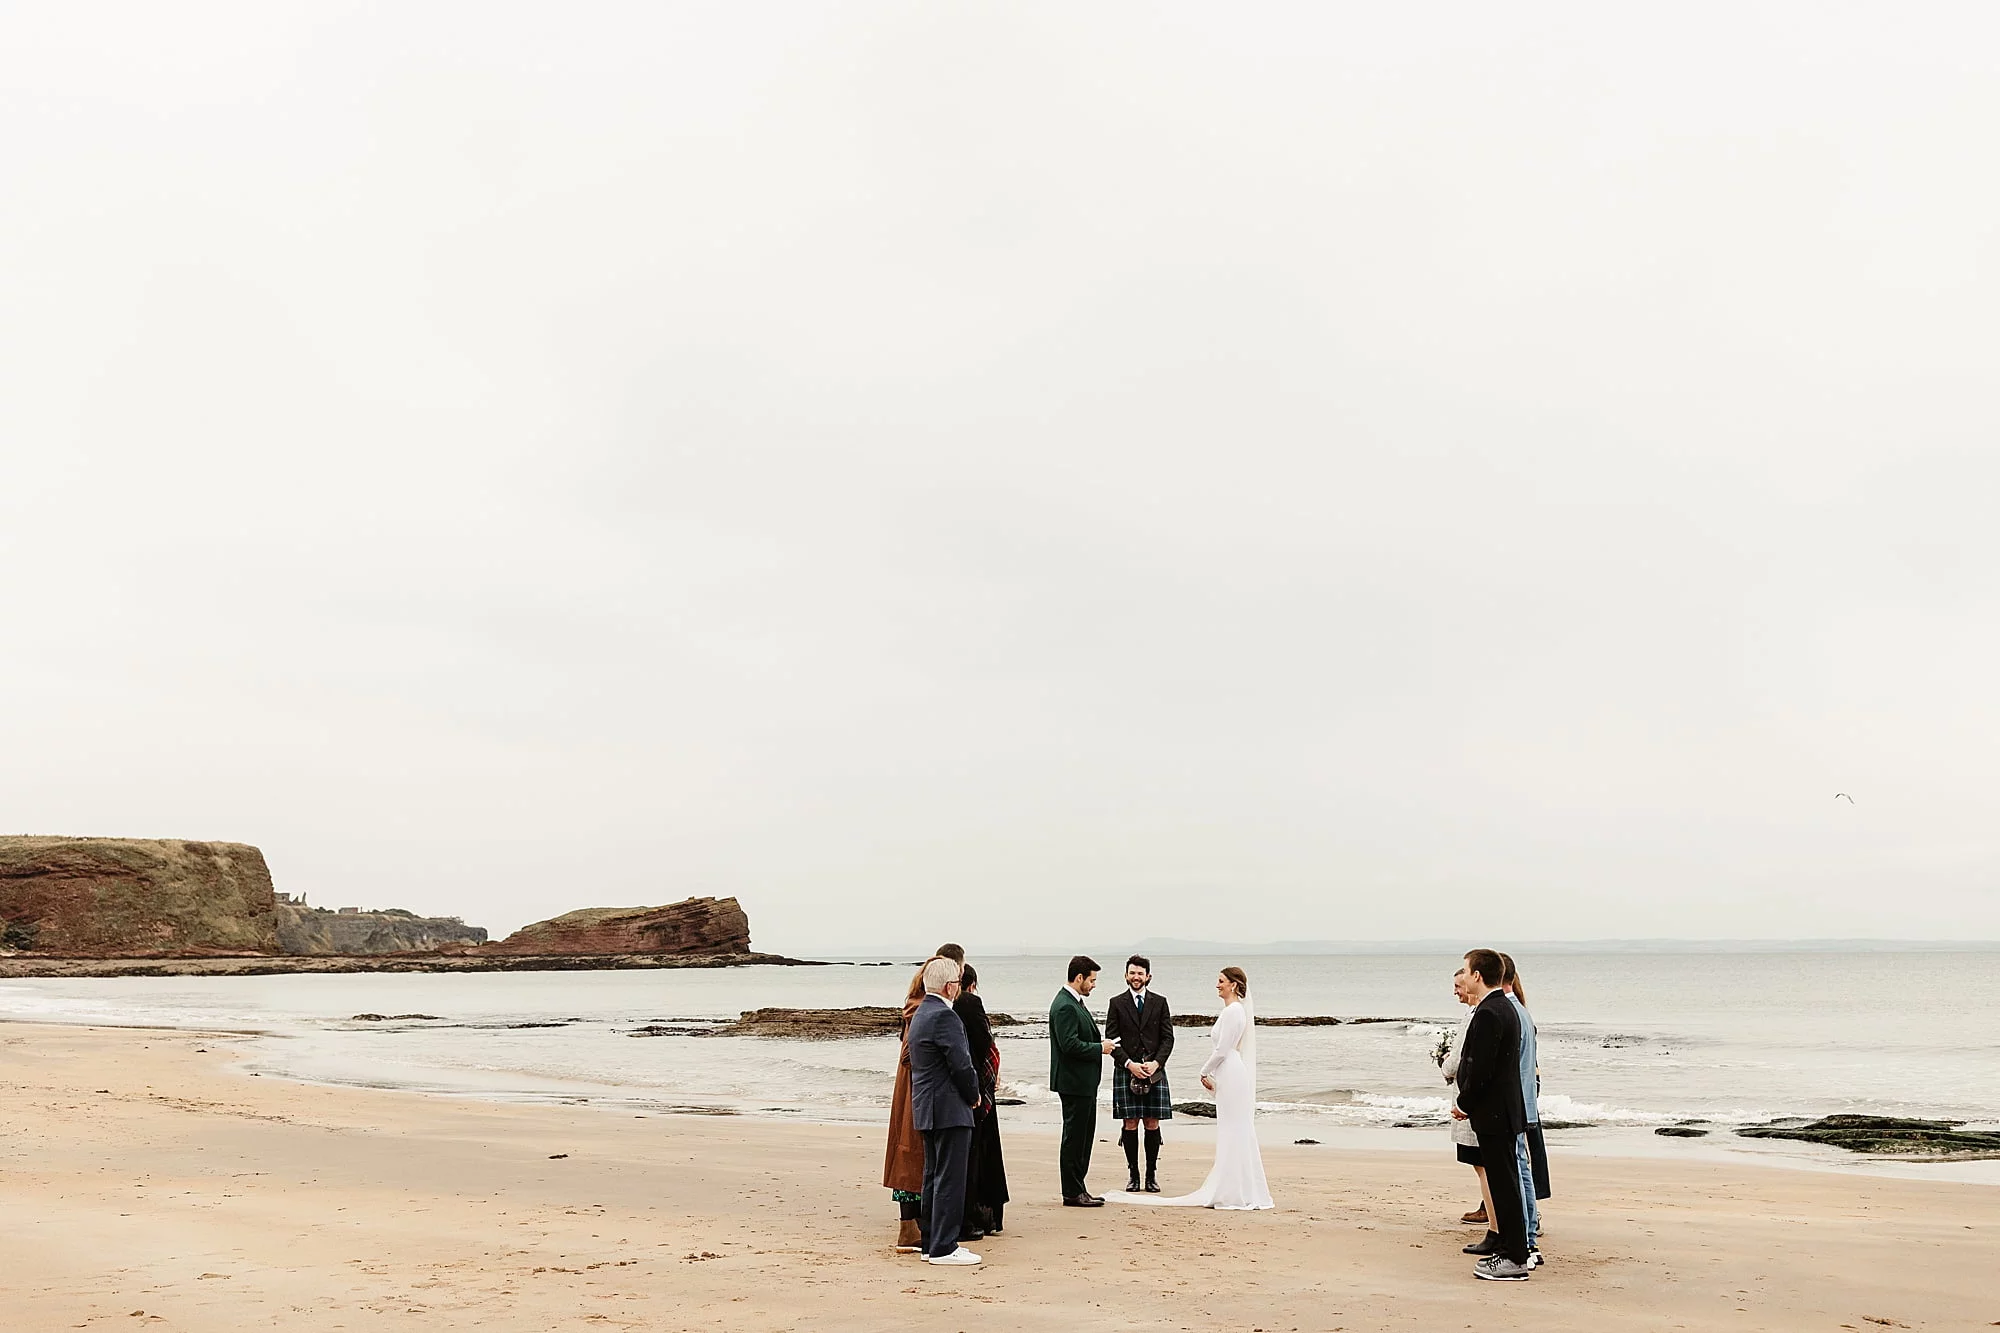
point(1140, 1021)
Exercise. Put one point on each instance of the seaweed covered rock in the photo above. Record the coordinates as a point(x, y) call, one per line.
point(1884, 1135)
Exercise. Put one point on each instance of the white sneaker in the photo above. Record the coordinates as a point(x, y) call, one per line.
point(961, 1255)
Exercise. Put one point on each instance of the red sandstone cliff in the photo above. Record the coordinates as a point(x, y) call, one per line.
point(134, 898)
point(696, 926)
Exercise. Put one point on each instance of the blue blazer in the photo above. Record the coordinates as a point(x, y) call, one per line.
point(944, 1087)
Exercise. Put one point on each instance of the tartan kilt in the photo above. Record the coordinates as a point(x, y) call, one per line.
point(1155, 1105)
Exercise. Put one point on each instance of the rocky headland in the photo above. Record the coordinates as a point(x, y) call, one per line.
point(134, 898)
point(317, 931)
point(167, 907)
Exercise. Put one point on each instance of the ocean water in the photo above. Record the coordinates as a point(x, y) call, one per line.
point(1629, 1042)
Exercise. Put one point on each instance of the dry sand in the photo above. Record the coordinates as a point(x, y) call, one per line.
point(146, 1183)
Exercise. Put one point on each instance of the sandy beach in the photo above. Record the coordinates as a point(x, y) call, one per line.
point(148, 1182)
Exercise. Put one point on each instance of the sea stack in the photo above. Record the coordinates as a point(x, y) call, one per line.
point(705, 926)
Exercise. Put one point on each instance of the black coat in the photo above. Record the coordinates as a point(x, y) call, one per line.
point(1142, 1036)
point(943, 1085)
point(1489, 1069)
point(986, 1166)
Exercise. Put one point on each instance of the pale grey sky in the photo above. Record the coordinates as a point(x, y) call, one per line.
point(1016, 471)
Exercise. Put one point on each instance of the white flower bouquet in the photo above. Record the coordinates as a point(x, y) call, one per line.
point(1441, 1042)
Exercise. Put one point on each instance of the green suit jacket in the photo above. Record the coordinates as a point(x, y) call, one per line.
point(1076, 1047)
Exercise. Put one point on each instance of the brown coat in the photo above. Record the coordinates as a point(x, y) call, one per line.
point(903, 1162)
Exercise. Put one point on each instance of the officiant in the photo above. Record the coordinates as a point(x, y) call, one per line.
point(1142, 1024)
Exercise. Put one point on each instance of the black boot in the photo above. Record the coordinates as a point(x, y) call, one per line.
point(1152, 1160)
point(1129, 1141)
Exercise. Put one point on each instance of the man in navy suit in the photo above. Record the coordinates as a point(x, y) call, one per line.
point(944, 1088)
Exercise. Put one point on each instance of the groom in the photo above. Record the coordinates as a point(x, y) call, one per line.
point(1076, 1064)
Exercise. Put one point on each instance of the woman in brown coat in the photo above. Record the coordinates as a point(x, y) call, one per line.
point(903, 1161)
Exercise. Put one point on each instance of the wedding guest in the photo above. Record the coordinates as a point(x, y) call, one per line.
point(1465, 1143)
point(944, 1088)
point(1489, 1094)
point(986, 1172)
point(1533, 1152)
point(903, 1161)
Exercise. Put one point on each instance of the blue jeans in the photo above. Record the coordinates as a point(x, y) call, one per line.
point(1526, 1164)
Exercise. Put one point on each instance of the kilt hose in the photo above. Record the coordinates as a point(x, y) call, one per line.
point(1157, 1104)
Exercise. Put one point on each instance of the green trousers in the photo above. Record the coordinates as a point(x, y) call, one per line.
point(1079, 1128)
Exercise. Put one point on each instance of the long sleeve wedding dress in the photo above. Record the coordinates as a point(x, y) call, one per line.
point(1237, 1178)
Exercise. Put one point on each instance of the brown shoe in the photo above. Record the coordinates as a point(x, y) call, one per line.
point(1083, 1201)
point(909, 1237)
point(1477, 1217)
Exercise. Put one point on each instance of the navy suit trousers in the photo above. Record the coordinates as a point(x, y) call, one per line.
point(946, 1155)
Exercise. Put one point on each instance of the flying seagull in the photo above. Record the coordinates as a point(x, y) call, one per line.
point(1843, 796)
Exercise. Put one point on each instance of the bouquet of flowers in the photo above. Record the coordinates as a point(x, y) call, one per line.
point(1441, 1042)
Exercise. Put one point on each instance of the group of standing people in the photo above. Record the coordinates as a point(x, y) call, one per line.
point(944, 1165)
point(1496, 1124)
point(1139, 1037)
point(948, 1175)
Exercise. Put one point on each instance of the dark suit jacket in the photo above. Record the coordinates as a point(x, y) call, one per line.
point(1076, 1050)
point(1489, 1069)
point(1142, 1035)
point(943, 1086)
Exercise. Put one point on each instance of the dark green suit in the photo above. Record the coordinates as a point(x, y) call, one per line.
point(1076, 1066)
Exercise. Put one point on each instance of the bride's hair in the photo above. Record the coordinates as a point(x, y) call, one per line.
point(1237, 975)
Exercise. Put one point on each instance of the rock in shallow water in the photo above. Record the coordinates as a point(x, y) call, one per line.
point(1889, 1135)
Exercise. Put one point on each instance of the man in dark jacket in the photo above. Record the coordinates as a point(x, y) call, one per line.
point(1076, 1065)
point(944, 1088)
point(1139, 1020)
point(1489, 1095)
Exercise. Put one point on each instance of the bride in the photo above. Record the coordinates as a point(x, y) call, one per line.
point(1237, 1178)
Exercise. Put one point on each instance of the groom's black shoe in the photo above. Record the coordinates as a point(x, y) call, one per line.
point(1489, 1244)
point(1152, 1185)
point(1083, 1201)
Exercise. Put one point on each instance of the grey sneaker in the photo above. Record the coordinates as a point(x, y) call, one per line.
point(1499, 1268)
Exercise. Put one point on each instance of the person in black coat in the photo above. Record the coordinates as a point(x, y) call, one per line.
point(986, 1170)
point(943, 1090)
point(1489, 1095)
point(1142, 1024)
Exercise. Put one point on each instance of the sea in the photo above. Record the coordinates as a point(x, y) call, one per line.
point(1630, 1042)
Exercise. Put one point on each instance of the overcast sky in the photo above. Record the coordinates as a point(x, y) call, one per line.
point(1021, 472)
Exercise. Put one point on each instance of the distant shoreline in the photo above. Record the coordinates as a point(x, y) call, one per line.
point(1175, 948)
point(280, 965)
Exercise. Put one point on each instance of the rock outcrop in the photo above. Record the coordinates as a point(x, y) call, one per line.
point(695, 926)
point(317, 931)
point(1891, 1135)
point(134, 898)
point(830, 1024)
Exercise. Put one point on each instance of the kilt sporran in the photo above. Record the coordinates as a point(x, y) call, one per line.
point(1140, 1099)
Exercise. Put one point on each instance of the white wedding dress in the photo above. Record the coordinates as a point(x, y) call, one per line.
point(1237, 1178)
